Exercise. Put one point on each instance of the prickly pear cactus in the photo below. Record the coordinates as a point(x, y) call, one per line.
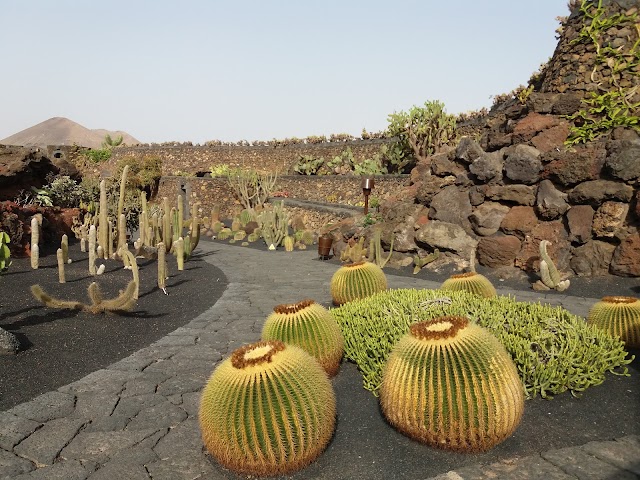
point(451, 384)
point(267, 410)
point(309, 326)
point(470, 282)
point(620, 316)
point(357, 280)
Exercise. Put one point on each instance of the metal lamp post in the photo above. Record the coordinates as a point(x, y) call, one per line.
point(367, 185)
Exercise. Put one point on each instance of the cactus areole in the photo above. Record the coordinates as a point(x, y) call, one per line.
point(450, 384)
point(267, 410)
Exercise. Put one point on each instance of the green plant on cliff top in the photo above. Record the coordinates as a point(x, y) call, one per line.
point(424, 129)
point(554, 350)
point(614, 108)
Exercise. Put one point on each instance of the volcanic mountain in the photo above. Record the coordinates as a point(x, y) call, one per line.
point(62, 131)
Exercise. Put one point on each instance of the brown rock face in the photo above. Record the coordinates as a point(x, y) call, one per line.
point(532, 124)
point(523, 165)
point(518, 194)
point(592, 259)
point(580, 164)
point(21, 168)
point(623, 161)
point(429, 186)
point(552, 138)
point(559, 250)
point(550, 202)
point(498, 251)
point(626, 257)
point(519, 221)
point(608, 218)
point(579, 220)
point(452, 205)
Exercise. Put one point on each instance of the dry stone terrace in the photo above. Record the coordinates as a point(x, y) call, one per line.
point(137, 418)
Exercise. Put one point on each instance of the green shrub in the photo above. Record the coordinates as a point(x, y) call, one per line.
point(98, 155)
point(554, 350)
point(65, 192)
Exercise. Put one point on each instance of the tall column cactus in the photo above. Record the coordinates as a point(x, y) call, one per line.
point(92, 249)
point(35, 237)
point(122, 231)
point(103, 219)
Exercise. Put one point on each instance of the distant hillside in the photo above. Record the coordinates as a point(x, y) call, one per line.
point(62, 131)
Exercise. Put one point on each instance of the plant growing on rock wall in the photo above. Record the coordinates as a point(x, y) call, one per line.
point(252, 188)
point(423, 130)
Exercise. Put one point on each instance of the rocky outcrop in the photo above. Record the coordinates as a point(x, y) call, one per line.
point(21, 168)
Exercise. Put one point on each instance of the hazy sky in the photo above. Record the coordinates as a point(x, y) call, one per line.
point(202, 70)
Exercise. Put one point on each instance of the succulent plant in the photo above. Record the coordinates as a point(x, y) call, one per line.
point(618, 316)
point(5, 252)
point(309, 326)
point(549, 274)
point(225, 234)
point(253, 237)
point(471, 282)
point(307, 237)
point(450, 383)
point(268, 409)
point(357, 280)
point(239, 235)
point(216, 227)
point(288, 242)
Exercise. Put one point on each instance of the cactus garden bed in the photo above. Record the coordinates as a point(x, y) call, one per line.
point(60, 346)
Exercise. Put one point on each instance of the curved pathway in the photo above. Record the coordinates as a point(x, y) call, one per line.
point(137, 419)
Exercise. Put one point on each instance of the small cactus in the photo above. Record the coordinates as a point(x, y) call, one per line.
point(548, 272)
point(620, 316)
point(288, 242)
point(309, 326)
point(451, 384)
point(61, 264)
point(357, 280)
point(239, 235)
point(224, 234)
point(267, 410)
point(253, 237)
point(420, 262)
point(471, 282)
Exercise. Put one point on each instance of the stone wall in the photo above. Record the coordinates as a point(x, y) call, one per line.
point(194, 159)
point(322, 189)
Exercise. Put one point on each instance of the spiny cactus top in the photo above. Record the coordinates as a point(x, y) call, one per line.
point(451, 384)
point(269, 409)
point(619, 316)
point(309, 326)
point(470, 282)
point(357, 280)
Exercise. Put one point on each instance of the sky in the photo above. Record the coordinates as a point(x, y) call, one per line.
point(198, 70)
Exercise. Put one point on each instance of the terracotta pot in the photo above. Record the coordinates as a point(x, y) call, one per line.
point(324, 247)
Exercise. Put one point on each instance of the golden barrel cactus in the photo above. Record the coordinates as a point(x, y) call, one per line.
point(451, 384)
point(269, 409)
point(470, 282)
point(309, 326)
point(619, 316)
point(357, 280)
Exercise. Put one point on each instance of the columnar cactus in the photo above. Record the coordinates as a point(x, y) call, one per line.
point(309, 326)
point(92, 249)
point(451, 384)
point(35, 238)
point(103, 220)
point(357, 280)
point(61, 264)
point(64, 246)
point(471, 282)
point(162, 267)
point(269, 409)
point(619, 316)
point(288, 242)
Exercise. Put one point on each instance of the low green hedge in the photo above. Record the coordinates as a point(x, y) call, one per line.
point(553, 349)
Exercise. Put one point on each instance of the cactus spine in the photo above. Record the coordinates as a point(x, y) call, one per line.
point(309, 326)
point(357, 280)
point(548, 271)
point(618, 316)
point(282, 408)
point(451, 384)
point(470, 282)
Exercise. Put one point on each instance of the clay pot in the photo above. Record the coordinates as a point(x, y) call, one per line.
point(324, 246)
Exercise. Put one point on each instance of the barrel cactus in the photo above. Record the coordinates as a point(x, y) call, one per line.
point(619, 316)
point(309, 326)
point(451, 384)
point(269, 409)
point(357, 280)
point(471, 282)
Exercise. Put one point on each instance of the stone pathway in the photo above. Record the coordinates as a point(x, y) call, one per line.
point(137, 419)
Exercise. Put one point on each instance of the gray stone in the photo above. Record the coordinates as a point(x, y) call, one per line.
point(181, 384)
point(191, 403)
point(486, 218)
point(430, 186)
point(11, 465)
point(626, 257)
point(72, 470)
point(592, 259)
point(595, 192)
point(468, 150)
point(158, 416)
point(476, 195)
point(609, 217)
point(100, 446)
point(523, 164)
point(623, 453)
point(44, 445)
point(579, 221)
point(48, 406)
point(488, 167)
point(442, 165)
point(551, 203)
point(404, 238)
point(623, 160)
point(95, 405)
point(575, 461)
point(105, 381)
point(446, 236)
point(452, 205)
point(527, 468)
point(14, 429)
point(518, 194)
point(9, 343)
point(131, 406)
